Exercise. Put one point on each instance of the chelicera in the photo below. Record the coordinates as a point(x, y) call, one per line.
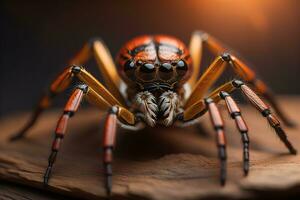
point(156, 80)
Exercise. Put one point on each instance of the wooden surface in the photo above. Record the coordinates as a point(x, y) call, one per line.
point(151, 164)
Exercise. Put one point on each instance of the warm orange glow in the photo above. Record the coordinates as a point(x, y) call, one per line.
point(257, 14)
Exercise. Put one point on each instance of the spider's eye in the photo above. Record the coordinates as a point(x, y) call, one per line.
point(166, 71)
point(129, 69)
point(147, 72)
point(147, 68)
point(181, 68)
point(129, 65)
point(166, 67)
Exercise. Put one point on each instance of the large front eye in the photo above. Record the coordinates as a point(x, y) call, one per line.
point(181, 68)
point(147, 68)
point(166, 71)
point(147, 72)
point(166, 67)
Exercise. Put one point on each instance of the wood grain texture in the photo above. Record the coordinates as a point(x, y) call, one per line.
point(154, 163)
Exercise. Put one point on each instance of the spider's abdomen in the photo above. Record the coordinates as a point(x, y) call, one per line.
point(155, 61)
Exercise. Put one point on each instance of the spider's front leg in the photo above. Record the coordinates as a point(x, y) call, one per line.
point(218, 125)
point(106, 66)
point(109, 134)
point(59, 85)
point(203, 106)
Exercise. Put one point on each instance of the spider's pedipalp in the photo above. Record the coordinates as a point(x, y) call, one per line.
point(146, 103)
point(169, 104)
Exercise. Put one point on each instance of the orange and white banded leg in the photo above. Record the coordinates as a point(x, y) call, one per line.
point(109, 137)
point(257, 102)
point(201, 39)
point(96, 48)
point(69, 111)
point(60, 84)
point(116, 114)
point(241, 125)
point(218, 125)
point(199, 108)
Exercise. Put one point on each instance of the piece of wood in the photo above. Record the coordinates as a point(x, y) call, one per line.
point(156, 163)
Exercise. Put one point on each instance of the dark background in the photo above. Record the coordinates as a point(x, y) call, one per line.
point(38, 38)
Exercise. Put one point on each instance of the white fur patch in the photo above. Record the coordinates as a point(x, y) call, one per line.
point(169, 105)
point(146, 103)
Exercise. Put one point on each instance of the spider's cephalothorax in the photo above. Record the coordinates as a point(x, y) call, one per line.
point(163, 86)
point(155, 69)
point(155, 63)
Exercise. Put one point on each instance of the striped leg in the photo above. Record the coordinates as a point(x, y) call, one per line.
point(201, 39)
point(218, 125)
point(109, 136)
point(235, 114)
point(201, 106)
point(69, 110)
point(60, 84)
point(125, 116)
point(266, 112)
point(256, 101)
point(97, 48)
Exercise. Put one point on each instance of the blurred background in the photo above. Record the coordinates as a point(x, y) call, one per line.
point(39, 38)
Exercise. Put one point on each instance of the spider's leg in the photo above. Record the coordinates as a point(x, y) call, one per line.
point(109, 135)
point(96, 47)
point(109, 129)
point(59, 85)
point(241, 125)
point(218, 124)
point(256, 101)
point(243, 70)
point(69, 110)
point(196, 48)
point(201, 107)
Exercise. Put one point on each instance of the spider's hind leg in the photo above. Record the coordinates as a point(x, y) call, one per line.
point(259, 104)
point(201, 106)
point(57, 86)
point(201, 39)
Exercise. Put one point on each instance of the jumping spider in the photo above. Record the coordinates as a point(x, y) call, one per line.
point(157, 81)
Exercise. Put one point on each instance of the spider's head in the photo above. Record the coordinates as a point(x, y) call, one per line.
point(152, 60)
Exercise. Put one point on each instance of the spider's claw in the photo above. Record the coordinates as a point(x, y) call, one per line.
point(223, 173)
point(108, 185)
point(47, 175)
point(280, 132)
point(51, 160)
point(108, 181)
point(246, 154)
point(246, 168)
